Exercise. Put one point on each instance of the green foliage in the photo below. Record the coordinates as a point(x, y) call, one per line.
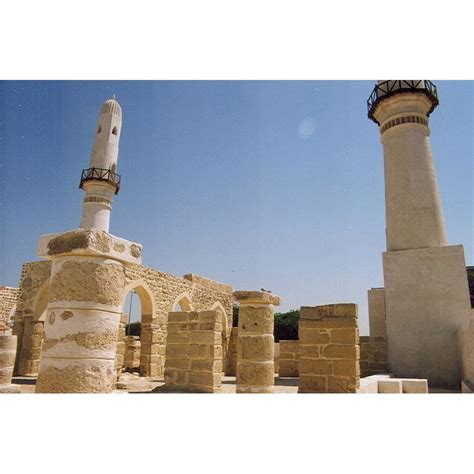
point(286, 325)
point(133, 329)
point(235, 315)
point(470, 280)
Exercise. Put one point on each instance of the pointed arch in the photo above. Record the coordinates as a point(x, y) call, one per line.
point(225, 326)
point(184, 301)
point(41, 302)
point(146, 299)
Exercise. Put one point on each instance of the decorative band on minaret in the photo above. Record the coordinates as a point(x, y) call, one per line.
point(414, 215)
point(100, 181)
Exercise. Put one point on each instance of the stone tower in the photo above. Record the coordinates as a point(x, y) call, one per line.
point(100, 181)
point(87, 284)
point(426, 293)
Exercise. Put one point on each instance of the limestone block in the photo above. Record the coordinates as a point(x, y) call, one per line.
point(256, 348)
point(255, 374)
point(7, 358)
point(389, 386)
point(328, 349)
point(256, 298)
point(414, 386)
point(377, 316)
point(85, 242)
point(256, 320)
point(427, 300)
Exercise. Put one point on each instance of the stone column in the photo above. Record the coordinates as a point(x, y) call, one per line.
point(32, 342)
point(7, 362)
point(329, 349)
point(255, 349)
point(132, 352)
point(84, 309)
point(120, 353)
point(231, 360)
point(152, 350)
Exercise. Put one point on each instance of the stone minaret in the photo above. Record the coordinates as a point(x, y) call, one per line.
point(100, 181)
point(414, 217)
point(425, 299)
point(87, 283)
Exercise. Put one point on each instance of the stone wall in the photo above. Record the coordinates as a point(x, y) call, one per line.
point(8, 300)
point(31, 306)
point(194, 352)
point(289, 359)
point(329, 349)
point(159, 292)
point(466, 354)
point(373, 355)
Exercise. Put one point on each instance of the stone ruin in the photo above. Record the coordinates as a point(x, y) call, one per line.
point(65, 323)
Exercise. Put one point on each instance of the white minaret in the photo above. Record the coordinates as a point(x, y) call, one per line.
point(100, 181)
point(425, 299)
point(414, 216)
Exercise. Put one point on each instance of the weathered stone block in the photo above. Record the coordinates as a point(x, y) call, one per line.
point(312, 384)
point(336, 351)
point(346, 367)
point(313, 336)
point(342, 384)
point(345, 336)
point(255, 373)
point(314, 366)
point(340, 310)
point(256, 348)
point(389, 386)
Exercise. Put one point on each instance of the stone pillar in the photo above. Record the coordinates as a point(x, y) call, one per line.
point(152, 350)
point(7, 362)
point(255, 350)
point(329, 349)
point(32, 343)
point(289, 358)
point(84, 309)
point(373, 355)
point(132, 352)
point(120, 353)
point(231, 367)
point(193, 360)
point(377, 323)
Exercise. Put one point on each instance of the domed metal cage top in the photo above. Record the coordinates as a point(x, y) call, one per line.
point(386, 89)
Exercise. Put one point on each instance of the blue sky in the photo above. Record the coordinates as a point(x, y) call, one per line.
point(273, 184)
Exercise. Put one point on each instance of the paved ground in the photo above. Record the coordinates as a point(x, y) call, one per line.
point(132, 383)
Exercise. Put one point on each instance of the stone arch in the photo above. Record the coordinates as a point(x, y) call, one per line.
point(225, 334)
point(33, 333)
point(41, 302)
point(184, 301)
point(148, 339)
point(146, 299)
point(225, 325)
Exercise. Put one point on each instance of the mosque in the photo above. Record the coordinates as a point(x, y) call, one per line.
point(64, 327)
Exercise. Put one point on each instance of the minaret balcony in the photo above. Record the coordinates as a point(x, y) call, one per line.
point(384, 90)
point(100, 174)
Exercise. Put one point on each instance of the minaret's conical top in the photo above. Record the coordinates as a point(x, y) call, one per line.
point(111, 106)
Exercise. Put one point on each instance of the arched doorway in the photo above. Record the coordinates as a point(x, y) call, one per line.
point(33, 334)
point(135, 341)
point(225, 335)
